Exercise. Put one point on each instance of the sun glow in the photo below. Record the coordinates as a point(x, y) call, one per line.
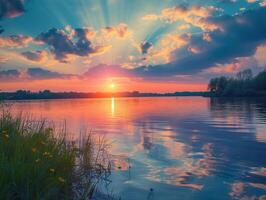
point(112, 85)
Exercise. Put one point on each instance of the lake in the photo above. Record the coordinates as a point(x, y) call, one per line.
point(169, 148)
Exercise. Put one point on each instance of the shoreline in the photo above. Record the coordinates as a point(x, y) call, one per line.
point(74, 98)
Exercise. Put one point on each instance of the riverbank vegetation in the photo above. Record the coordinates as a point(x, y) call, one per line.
point(38, 162)
point(243, 84)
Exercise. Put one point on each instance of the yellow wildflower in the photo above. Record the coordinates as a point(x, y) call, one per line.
point(62, 180)
point(46, 153)
point(52, 170)
point(33, 150)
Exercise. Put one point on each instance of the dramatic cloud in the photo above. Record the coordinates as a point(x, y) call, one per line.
point(193, 39)
point(64, 44)
point(239, 37)
point(195, 15)
point(15, 41)
point(11, 8)
point(60, 43)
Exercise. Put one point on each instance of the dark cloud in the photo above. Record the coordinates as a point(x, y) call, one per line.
point(59, 41)
point(39, 73)
point(145, 47)
point(30, 74)
point(33, 55)
point(11, 8)
point(63, 44)
point(7, 74)
point(83, 45)
point(1, 29)
point(239, 36)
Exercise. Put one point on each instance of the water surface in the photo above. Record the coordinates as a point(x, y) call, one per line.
point(181, 147)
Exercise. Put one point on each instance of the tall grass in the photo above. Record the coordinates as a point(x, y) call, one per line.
point(38, 163)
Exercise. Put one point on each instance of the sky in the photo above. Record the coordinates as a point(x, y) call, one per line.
point(128, 45)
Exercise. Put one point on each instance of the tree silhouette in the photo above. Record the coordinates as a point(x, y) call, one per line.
point(243, 84)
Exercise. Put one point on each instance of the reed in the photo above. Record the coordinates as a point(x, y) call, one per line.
point(38, 162)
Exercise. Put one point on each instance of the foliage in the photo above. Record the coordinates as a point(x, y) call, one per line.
point(36, 162)
point(244, 84)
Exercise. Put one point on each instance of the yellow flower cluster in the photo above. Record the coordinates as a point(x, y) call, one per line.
point(62, 180)
point(33, 150)
point(46, 153)
point(52, 170)
point(5, 135)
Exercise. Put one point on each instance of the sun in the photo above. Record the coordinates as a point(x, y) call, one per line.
point(112, 85)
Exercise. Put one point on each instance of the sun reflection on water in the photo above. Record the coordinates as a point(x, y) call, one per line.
point(113, 106)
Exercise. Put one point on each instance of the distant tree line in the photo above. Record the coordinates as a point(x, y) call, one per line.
point(47, 94)
point(243, 84)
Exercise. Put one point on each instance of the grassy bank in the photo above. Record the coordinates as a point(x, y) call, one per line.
point(36, 162)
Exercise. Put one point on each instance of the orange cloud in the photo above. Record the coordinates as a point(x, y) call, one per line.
point(121, 31)
point(233, 67)
point(170, 43)
point(15, 41)
point(183, 27)
point(228, 68)
point(178, 13)
point(260, 55)
point(195, 15)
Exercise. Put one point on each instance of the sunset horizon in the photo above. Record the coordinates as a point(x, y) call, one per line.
point(163, 46)
point(132, 99)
